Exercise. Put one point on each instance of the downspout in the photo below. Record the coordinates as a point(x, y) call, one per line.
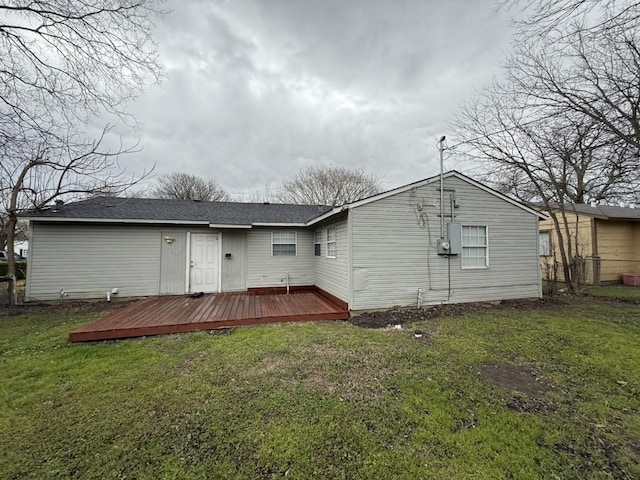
point(419, 298)
point(287, 276)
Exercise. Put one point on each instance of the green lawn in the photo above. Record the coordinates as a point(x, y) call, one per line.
point(330, 400)
point(622, 292)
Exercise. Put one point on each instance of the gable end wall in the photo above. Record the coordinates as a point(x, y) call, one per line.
point(394, 250)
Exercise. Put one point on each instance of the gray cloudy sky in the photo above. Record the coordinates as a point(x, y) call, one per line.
point(257, 89)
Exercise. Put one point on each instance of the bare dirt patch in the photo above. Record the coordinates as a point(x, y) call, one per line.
point(524, 378)
point(525, 382)
point(401, 316)
point(65, 308)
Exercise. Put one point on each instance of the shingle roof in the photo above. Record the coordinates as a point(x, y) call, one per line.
point(147, 209)
point(607, 212)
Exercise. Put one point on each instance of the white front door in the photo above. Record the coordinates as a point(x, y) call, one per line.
point(204, 263)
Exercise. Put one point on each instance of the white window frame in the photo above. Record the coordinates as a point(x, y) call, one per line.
point(547, 251)
point(332, 243)
point(317, 242)
point(295, 243)
point(475, 246)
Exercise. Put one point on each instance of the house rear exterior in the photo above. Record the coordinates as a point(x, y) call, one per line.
point(380, 252)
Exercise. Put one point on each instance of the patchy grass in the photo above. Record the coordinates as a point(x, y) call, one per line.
point(546, 391)
point(622, 292)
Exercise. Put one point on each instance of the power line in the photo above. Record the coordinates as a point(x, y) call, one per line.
point(504, 130)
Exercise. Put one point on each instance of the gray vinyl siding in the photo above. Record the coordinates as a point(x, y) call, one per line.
point(173, 262)
point(234, 268)
point(394, 250)
point(332, 274)
point(86, 261)
point(265, 270)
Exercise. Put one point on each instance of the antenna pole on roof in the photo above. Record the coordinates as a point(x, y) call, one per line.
point(441, 148)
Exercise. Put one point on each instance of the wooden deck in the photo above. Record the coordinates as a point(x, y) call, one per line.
point(178, 314)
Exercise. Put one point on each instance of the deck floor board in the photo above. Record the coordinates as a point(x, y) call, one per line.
point(173, 314)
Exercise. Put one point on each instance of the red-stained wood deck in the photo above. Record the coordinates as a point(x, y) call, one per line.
point(178, 314)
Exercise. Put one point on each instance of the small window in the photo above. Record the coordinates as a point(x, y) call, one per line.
point(283, 243)
point(545, 244)
point(318, 243)
point(475, 247)
point(332, 242)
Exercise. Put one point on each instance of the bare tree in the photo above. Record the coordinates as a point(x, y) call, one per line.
point(563, 125)
point(582, 56)
point(21, 230)
point(547, 16)
point(61, 63)
point(325, 185)
point(68, 168)
point(184, 186)
point(267, 194)
point(559, 158)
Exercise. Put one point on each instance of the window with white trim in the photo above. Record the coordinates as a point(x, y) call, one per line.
point(475, 246)
point(545, 243)
point(283, 243)
point(332, 242)
point(318, 243)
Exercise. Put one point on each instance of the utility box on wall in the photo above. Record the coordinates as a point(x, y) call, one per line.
point(454, 234)
point(443, 247)
point(452, 245)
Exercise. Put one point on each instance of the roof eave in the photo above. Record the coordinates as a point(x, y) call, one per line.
point(324, 216)
point(117, 220)
point(568, 209)
point(278, 224)
point(227, 225)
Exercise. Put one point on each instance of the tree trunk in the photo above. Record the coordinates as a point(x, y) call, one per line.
point(11, 261)
point(566, 257)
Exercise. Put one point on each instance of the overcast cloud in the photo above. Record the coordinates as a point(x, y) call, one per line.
point(257, 89)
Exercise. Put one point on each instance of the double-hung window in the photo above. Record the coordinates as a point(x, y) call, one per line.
point(332, 242)
point(283, 243)
point(545, 243)
point(317, 246)
point(475, 246)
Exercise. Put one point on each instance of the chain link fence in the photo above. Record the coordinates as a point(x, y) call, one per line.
point(596, 270)
point(592, 270)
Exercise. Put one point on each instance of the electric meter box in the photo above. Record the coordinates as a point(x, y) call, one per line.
point(454, 236)
point(443, 246)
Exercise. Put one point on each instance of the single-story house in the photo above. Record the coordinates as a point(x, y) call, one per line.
point(402, 247)
point(605, 237)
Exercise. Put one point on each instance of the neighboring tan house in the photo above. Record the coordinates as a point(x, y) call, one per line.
point(378, 252)
point(605, 238)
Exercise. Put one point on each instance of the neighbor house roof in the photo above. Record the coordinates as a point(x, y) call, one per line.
point(605, 212)
point(147, 210)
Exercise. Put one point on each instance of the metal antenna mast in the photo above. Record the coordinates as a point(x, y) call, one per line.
point(441, 148)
